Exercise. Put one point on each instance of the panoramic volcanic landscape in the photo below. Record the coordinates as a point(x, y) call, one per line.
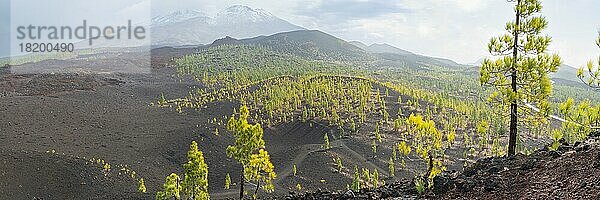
point(339, 120)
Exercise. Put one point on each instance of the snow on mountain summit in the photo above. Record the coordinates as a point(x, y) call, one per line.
point(190, 27)
point(241, 9)
point(177, 16)
point(241, 14)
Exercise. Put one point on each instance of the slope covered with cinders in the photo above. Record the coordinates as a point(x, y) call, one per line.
point(571, 172)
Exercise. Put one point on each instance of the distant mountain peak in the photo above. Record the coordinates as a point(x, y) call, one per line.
point(244, 13)
point(477, 63)
point(312, 44)
point(359, 44)
point(225, 40)
point(387, 48)
point(187, 12)
point(177, 16)
point(191, 27)
point(243, 8)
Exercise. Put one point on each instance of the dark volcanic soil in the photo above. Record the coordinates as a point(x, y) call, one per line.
point(572, 172)
point(34, 175)
point(107, 121)
point(109, 117)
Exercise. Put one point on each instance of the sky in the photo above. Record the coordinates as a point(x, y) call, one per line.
point(17, 14)
point(454, 29)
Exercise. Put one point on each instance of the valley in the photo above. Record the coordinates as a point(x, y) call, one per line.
point(244, 99)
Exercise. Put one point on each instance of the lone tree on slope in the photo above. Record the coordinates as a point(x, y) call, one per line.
point(249, 151)
point(520, 72)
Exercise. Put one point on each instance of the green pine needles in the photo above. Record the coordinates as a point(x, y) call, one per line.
point(356, 180)
point(171, 188)
point(249, 151)
point(142, 186)
point(590, 74)
point(327, 145)
point(519, 73)
point(195, 182)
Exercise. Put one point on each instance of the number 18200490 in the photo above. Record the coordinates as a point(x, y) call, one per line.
point(46, 47)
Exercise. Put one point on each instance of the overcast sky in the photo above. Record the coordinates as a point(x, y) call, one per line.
point(455, 29)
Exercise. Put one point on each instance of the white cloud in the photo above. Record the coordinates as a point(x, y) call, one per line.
point(139, 12)
point(426, 30)
point(471, 5)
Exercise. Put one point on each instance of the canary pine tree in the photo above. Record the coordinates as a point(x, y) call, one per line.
point(195, 180)
point(581, 120)
point(327, 145)
point(260, 169)
point(171, 188)
point(355, 180)
point(338, 162)
point(249, 151)
point(142, 186)
point(590, 74)
point(520, 72)
point(375, 178)
point(227, 181)
point(391, 167)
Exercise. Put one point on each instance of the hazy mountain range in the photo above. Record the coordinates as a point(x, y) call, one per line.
point(394, 53)
point(565, 72)
point(381, 48)
point(194, 27)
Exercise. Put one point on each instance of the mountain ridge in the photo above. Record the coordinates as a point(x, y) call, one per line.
point(312, 44)
point(391, 52)
point(315, 44)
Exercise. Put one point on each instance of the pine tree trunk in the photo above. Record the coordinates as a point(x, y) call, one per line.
point(242, 185)
point(257, 186)
point(430, 168)
point(512, 141)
